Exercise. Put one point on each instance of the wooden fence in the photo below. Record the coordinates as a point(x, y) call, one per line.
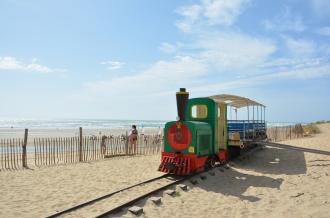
point(282, 133)
point(11, 154)
point(14, 153)
point(54, 151)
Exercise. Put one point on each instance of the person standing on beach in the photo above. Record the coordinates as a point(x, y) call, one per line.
point(132, 138)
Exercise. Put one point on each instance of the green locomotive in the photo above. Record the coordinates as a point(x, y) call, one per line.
point(202, 134)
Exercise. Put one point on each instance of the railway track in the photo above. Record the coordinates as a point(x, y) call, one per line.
point(120, 199)
point(295, 148)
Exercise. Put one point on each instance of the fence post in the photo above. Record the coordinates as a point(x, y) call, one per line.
point(276, 134)
point(24, 155)
point(80, 144)
point(290, 130)
point(103, 145)
point(126, 143)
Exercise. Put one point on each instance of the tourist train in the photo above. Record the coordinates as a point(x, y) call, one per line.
point(203, 135)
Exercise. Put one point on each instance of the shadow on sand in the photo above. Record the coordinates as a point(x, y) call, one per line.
point(268, 161)
point(274, 161)
point(235, 183)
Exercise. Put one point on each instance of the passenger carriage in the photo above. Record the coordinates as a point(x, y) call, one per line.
point(203, 134)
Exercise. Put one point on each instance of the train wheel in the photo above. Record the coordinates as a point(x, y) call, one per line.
point(234, 152)
point(210, 162)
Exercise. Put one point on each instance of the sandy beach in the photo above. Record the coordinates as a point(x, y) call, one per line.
point(41, 192)
point(269, 183)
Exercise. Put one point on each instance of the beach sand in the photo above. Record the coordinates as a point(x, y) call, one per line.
point(268, 183)
point(42, 192)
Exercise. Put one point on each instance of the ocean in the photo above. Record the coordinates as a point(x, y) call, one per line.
point(76, 123)
point(91, 123)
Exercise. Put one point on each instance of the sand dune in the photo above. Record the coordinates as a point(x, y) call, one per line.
point(269, 183)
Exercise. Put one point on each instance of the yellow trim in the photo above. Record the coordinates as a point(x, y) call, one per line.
point(206, 114)
point(182, 93)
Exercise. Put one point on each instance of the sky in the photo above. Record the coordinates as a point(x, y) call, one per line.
point(126, 59)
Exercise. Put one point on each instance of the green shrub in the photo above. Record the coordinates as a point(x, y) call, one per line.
point(311, 128)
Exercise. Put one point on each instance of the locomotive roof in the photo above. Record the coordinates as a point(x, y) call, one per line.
point(235, 101)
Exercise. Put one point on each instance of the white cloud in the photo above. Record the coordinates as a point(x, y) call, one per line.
point(285, 21)
point(213, 53)
point(113, 65)
point(138, 96)
point(322, 70)
point(9, 63)
point(210, 12)
point(291, 63)
point(161, 75)
point(223, 12)
point(213, 59)
point(170, 48)
point(233, 52)
point(325, 31)
point(190, 15)
point(300, 47)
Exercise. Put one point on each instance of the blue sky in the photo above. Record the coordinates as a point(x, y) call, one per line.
point(125, 59)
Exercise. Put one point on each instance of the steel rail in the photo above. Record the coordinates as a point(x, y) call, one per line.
point(104, 197)
point(295, 148)
point(130, 202)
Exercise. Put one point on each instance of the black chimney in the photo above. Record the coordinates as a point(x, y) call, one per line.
point(181, 101)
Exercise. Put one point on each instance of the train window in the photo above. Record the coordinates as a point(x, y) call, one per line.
point(199, 111)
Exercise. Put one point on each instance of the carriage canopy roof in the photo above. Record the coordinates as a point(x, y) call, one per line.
point(235, 101)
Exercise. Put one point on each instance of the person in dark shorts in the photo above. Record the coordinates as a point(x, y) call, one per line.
point(132, 138)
